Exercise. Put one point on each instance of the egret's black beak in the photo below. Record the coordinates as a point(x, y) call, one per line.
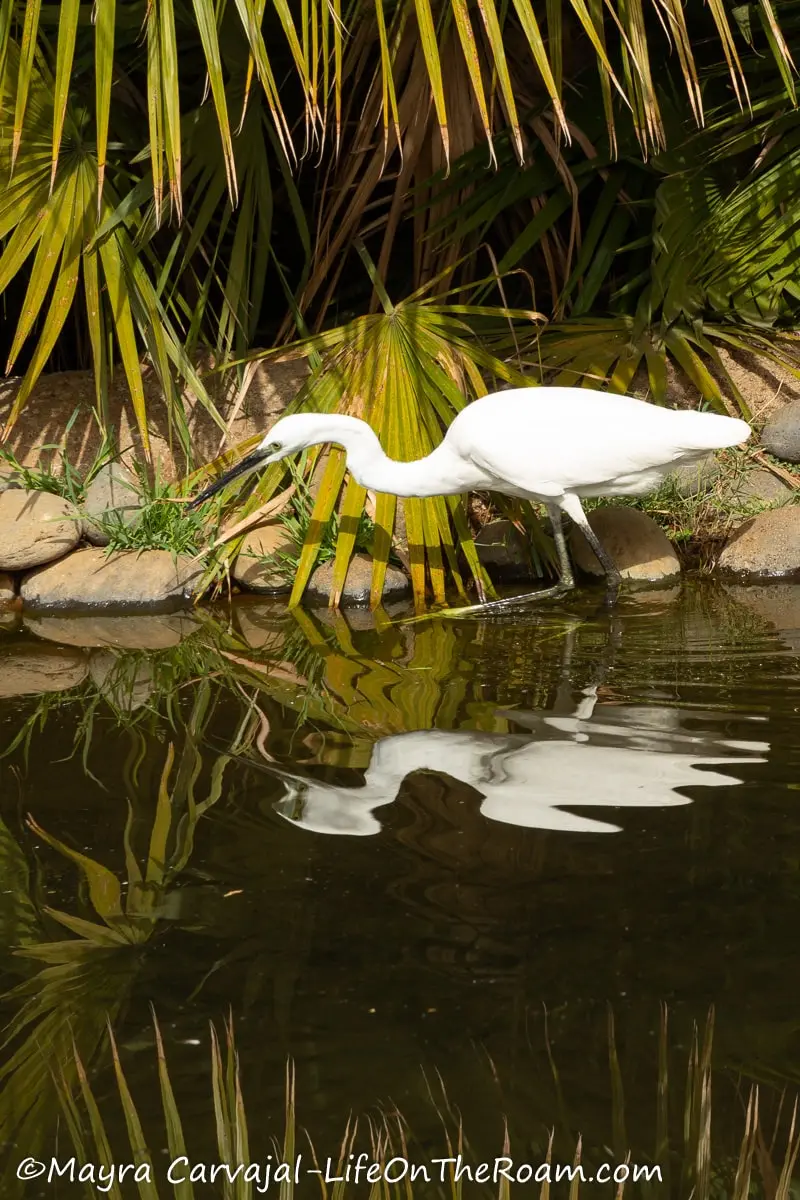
point(251, 462)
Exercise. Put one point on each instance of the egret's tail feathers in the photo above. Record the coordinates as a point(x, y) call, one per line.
point(710, 431)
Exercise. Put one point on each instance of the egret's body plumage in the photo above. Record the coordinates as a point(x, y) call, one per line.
point(552, 445)
point(543, 443)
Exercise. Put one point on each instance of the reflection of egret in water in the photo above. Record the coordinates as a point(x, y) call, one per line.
point(609, 756)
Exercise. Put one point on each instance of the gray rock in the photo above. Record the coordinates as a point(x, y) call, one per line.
point(638, 546)
point(126, 581)
point(145, 631)
point(113, 493)
point(692, 479)
point(766, 545)
point(758, 487)
point(7, 589)
point(35, 528)
point(358, 582)
point(502, 549)
point(29, 670)
point(260, 566)
point(781, 434)
point(127, 682)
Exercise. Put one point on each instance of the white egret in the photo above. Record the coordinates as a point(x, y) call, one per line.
point(550, 445)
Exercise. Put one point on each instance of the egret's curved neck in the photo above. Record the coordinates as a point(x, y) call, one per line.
point(440, 473)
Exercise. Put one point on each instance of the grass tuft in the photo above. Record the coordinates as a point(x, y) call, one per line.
point(65, 482)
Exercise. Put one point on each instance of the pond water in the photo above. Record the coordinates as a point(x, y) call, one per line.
point(459, 867)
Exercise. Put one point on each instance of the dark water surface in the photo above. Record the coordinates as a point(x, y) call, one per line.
point(452, 847)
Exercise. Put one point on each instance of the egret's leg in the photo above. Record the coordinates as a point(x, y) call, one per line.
point(566, 581)
point(574, 509)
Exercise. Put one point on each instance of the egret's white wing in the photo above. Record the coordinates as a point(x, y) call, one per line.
point(551, 440)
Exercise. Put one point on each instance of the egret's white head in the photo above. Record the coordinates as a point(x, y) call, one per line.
point(290, 435)
point(287, 436)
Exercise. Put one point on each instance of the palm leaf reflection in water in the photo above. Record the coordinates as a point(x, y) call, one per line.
point(398, 701)
point(82, 983)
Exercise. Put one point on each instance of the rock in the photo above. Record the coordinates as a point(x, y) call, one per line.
point(7, 589)
point(126, 581)
point(10, 620)
point(30, 669)
point(114, 493)
point(259, 565)
point(150, 631)
point(358, 582)
point(263, 626)
point(766, 545)
point(638, 546)
point(127, 682)
point(777, 604)
point(757, 487)
point(35, 528)
point(692, 479)
point(503, 550)
point(781, 434)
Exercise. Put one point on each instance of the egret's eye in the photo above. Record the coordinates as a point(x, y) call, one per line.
point(273, 448)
